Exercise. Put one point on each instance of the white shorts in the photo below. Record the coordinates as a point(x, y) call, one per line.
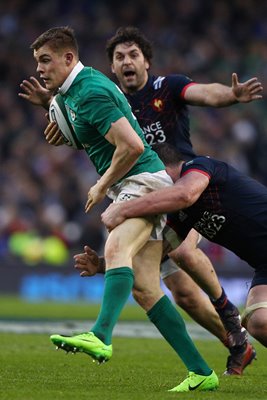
point(170, 240)
point(139, 185)
point(167, 268)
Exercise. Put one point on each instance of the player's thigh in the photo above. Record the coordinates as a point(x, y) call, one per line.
point(124, 242)
point(187, 253)
point(257, 294)
point(255, 313)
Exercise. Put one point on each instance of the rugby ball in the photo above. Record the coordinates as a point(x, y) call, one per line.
point(58, 113)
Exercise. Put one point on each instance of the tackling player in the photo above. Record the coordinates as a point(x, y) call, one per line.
point(160, 104)
point(222, 204)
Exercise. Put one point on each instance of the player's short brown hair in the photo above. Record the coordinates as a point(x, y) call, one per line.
point(130, 34)
point(59, 38)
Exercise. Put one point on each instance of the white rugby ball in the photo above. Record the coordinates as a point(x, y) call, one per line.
point(58, 113)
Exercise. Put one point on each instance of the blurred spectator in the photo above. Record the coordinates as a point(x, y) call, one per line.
point(44, 189)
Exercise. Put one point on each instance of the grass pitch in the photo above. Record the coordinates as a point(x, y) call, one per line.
point(140, 369)
point(12, 307)
point(31, 369)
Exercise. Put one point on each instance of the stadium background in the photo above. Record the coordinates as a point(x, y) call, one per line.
point(43, 189)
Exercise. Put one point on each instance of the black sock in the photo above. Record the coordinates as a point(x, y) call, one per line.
point(231, 320)
point(224, 307)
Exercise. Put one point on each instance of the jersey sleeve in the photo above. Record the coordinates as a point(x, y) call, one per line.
point(203, 165)
point(100, 112)
point(178, 85)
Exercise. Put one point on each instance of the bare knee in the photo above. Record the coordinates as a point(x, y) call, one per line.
point(184, 253)
point(111, 250)
point(185, 299)
point(117, 253)
point(186, 296)
point(186, 293)
point(187, 251)
point(187, 256)
point(146, 298)
point(255, 326)
point(255, 315)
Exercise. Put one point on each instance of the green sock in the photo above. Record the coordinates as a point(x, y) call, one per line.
point(118, 286)
point(172, 327)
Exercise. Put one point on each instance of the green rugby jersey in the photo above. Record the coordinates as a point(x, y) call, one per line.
point(93, 103)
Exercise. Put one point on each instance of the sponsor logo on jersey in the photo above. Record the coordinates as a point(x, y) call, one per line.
point(157, 105)
point(158, 82)
point(182, 215)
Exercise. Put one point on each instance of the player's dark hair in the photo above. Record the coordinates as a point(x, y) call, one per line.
point(130, 34)
point(58, 38)
point(168, 154)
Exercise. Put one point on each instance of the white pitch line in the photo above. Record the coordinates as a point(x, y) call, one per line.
point(122, 329)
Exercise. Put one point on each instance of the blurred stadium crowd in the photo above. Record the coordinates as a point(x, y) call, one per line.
point(43, 189)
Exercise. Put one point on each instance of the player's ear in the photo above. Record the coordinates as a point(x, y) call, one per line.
point(112, 68)
point(69, 58)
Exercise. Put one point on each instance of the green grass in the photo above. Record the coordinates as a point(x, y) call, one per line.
point(140, 369)
point(16, 308)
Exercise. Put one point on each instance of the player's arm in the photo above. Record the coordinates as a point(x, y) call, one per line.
point(183, 194)
point(35, 93)
point(128, 148)
point(218, 95)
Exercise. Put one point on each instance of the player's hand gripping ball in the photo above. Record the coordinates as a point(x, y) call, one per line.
point(58, 113)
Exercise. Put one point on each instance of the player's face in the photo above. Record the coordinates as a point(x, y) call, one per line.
point(130, 67)
point(53, 67)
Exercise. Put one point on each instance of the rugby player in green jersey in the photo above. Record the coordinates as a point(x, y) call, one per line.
point(111, 136)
